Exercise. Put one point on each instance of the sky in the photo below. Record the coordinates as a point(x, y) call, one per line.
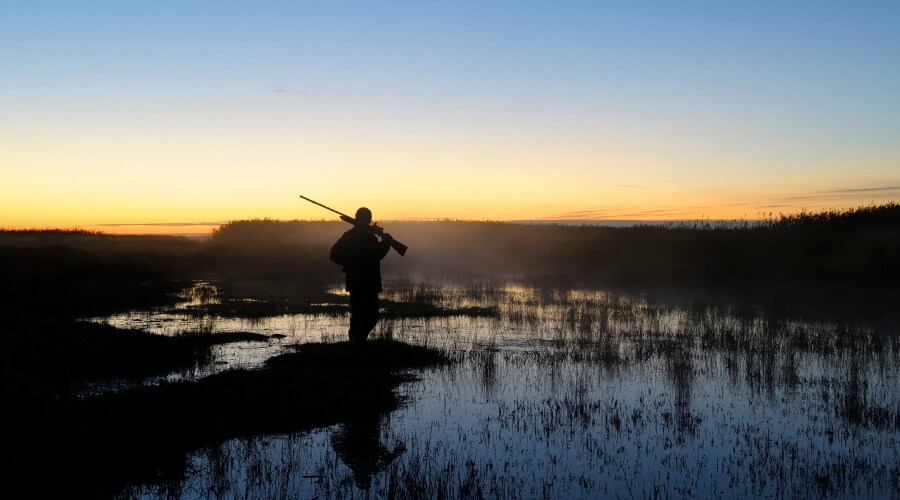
point(176, 116)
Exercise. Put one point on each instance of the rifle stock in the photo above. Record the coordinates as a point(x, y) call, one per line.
point(379, 231)
point(399, 247)
point(396, 245)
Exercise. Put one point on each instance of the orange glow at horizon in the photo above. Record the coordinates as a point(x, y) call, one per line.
point(118, 222)
point(96, 178)
point(121, 195)
point(525, 111)
point(170, 174)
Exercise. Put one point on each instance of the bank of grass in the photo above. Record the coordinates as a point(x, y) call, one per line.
point(40, 360)
point(98, 445)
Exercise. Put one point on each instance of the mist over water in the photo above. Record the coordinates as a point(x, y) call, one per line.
point(723, 223)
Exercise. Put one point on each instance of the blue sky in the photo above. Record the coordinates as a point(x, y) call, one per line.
point(697, 104)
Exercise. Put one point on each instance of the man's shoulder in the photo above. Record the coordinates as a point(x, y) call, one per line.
point(359, 232)
point(351, 233)
point(356, 236)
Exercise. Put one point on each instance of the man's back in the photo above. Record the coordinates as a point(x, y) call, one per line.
point(360, 254)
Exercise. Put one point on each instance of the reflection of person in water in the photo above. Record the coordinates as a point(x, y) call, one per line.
point(360, 253)
point(358, 444)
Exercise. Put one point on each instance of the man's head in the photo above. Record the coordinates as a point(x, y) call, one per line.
point(363, 216)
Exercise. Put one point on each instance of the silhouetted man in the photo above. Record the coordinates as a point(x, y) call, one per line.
point(360, 253)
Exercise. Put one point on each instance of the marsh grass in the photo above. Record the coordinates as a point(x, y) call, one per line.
point(579, 393)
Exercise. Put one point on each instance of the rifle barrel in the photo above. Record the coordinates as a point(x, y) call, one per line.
point(323, 206)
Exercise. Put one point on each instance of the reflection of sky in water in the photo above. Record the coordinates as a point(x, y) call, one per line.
point(674, 401)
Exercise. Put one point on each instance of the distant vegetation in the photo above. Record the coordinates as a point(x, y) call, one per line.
point(858, 247)
point(868, 217)
point(852, 247)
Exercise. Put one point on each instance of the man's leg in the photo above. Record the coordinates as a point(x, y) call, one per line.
point(370, 316)
point(363, 315)
point(356, 315)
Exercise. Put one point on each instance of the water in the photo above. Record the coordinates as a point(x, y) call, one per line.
point(575, 394)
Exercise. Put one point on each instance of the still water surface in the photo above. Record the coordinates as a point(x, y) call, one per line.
point(572, 394)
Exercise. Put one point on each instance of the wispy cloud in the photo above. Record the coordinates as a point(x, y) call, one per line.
point(865, 190)
point(582, 212)
point(848, 194)
point(617, 213)
point(621, 212)
point(164, 224)
point(301, 93)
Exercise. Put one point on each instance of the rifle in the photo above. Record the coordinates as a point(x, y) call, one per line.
point(375, 228)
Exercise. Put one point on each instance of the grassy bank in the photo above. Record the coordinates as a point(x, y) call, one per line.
point(96, 446)
point(40, 360)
